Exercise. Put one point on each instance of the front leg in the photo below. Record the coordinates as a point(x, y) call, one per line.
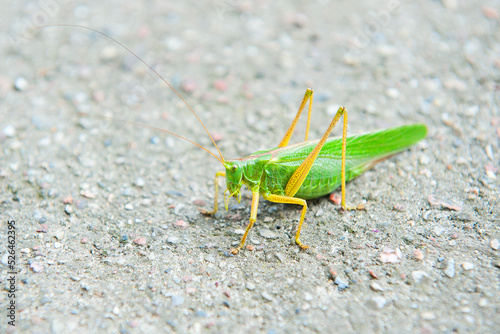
point(253, 218)
point(216, 204)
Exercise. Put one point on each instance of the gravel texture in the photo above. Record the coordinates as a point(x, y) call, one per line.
point(109, 234)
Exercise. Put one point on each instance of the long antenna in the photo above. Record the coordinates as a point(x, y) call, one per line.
point(83, 114)
point(159, 76)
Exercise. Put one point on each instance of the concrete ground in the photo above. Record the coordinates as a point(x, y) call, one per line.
point(109, 237)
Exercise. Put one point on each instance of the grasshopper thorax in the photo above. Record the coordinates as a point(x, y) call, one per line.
point(234, 180)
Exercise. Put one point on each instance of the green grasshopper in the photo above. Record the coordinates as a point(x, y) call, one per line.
point(295, 173)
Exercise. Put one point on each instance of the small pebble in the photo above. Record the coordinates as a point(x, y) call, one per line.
point(450, 268)
point(209, 258)
point(177, 300)
point(387, 50)
point(268, 234)
point(199, 202)
point(140, 241)
point(438, 230)
point(340, 283)
point(25, 250)
point(468, 266)
point(495, 244)
point(250, 286)
point(181, 223)
point(220, 84)
point(37, 267)
point(249, 248)
point(190, 290)
point(43, 228)
point(239, 231)
point(376, 287)
point(68, 209)
point(428, 315)
point(139, 182)
point(393, 93)
point(320, 257)
point(419, 276)
point(84, 240)
point(424, 159)
point(9, 131)
point(59, 234)
point(482, 302)
point(129, 207)
point(377, 302)
point(173, 240)
point(490, 12)
point(335, 198)
point(20, 84)
point(390, 255)
point(68, 200)
point(417, 254)
point(217, 136)
point(57, 244)
point(399, 207)
point(109, 52)
point(188, 86)
point(266, 296)
point(455, 84)
point(5, 259)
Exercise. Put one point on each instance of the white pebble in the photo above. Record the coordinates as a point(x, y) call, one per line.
point(377, 302)
point(109, 53)
point(495, 244)
point(424, 159)
point(139, 182)
point(20, 84)
point(419, 276)
point(173, 43)
point(468, 266)
point(450, 4)
point(489, 152)
point(129, 207)
point(438, 230)
point(393, 93)
point(450, 268)
point(386, 50)
point(9, 131)
point(376, 287)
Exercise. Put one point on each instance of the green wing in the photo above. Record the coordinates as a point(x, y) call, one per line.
point(363, 152)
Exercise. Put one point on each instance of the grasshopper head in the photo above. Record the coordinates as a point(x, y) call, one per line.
point(234, 176)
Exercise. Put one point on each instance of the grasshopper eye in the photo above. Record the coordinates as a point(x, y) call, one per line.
point(234, 168)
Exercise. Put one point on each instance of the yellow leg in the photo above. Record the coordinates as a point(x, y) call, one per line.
point(292, 200)
point(253, 218)
point(308, 96)
point(300, 174)
point(216, 204)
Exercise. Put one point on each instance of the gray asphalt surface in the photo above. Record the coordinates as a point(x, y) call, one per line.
point(109, 236)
